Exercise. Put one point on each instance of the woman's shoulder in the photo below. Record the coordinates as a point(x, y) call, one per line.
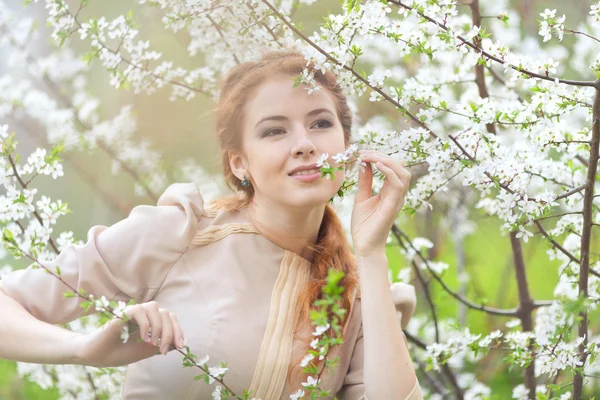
point(185, 195)
point(213, 220)
point(164, 228)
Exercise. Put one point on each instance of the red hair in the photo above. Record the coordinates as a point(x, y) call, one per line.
point(332, 249)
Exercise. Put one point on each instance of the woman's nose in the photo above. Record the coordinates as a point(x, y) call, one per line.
point(303, 144)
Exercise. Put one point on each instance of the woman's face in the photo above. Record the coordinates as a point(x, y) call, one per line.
point(285, 128)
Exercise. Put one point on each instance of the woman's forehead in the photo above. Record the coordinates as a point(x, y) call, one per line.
point(277, 95)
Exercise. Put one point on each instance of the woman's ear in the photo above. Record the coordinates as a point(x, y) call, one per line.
point(237, 163)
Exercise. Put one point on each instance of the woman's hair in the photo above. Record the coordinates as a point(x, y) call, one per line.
point(332, 249)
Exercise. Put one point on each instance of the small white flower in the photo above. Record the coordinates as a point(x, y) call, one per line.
point(340, 158)
point(310, 381)
point(595, 11)
point(524, 233)
point(298, 395)
point(125, 333)
point(307, 358)
point(313, 89)
point(513, 323)
point(203, 361)
point(322, 161)
point(216, 372)
point(118, 311)
point(217, 393)
point(321, 329)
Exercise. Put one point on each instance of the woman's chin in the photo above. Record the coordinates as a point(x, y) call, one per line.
point(308, 198)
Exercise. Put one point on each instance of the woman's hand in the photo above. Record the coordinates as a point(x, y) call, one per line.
point(156, 326)
point(373, 216)
point(405, 299)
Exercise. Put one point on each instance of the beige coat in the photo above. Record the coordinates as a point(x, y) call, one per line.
point(233, 291)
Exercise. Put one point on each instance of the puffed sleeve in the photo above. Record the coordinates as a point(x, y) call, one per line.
point(353, 387)
point(128, 260)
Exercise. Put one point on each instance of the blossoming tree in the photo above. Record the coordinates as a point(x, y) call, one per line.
point(492, 123)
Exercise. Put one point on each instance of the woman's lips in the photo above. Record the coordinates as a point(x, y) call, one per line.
point(308, 177)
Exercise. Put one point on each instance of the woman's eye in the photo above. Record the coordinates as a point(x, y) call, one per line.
point(273, 132)
point(322, 123)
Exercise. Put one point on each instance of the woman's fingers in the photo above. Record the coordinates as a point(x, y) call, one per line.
point(157, 326)
point(365, 184)
point(390, 175)
point(166, 334)
point(155, 320)
point(178, 338)
point(396, 165)
point(138, 315)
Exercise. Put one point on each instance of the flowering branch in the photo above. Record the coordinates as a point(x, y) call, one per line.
point(66, 102)
point(490, 56)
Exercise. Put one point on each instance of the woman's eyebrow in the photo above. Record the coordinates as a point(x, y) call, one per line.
point(283, 118)
point(319, 111)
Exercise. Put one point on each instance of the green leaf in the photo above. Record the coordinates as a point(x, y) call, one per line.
point(352, 5)
point(8, 236)
point(89, 56)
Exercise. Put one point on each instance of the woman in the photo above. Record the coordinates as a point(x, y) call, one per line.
point(237, 278)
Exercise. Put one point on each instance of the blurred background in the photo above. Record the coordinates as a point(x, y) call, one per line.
point(182, 131)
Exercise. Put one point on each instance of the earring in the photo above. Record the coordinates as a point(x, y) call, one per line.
point(245, 181)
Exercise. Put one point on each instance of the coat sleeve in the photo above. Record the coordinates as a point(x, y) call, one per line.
point(353, 387)
point(128, 260)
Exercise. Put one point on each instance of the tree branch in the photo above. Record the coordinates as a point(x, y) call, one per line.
point(479, 68)
point(468, 303)
point(525, 308)
point(586, 234)
point(424, 285)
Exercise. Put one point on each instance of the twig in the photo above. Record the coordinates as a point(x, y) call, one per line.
point(573, 191)
point(468, 303)
point(582, 33)
point(35, 212)
point(558, 215)
point(445, 369)
point(424, 284)
point(223, 37)
point(555, 243)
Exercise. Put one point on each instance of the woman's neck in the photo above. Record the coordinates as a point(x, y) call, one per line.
point(288, 227)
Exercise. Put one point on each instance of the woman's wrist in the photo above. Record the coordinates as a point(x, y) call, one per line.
point(372, 259)
point(76, 350)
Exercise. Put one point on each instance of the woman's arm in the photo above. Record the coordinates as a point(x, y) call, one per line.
point(27, 339)
point(129, 259)
point(388, 370)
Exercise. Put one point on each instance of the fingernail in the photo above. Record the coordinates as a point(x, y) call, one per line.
point(181, 343)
